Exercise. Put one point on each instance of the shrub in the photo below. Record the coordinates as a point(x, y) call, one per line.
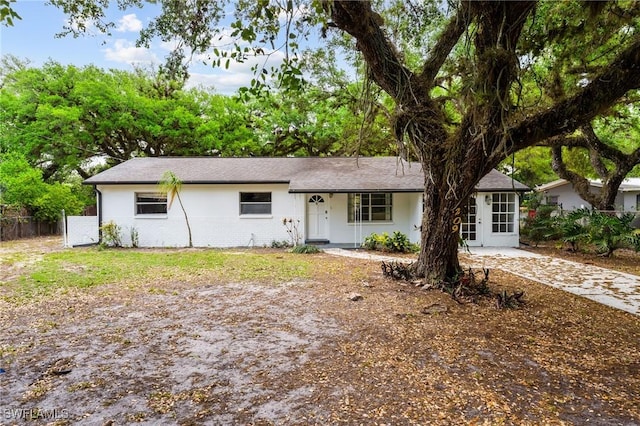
point(605, 232)
point(396, 243)
point(305, 249)
point(280, 244)
point(57, 197)
point(608, 232)
point(572, 228)
point(135, 237)
point(544, 226)
point(111, 235)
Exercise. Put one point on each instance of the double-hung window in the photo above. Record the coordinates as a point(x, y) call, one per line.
point(370, 207)
point(151, 203)
point(503, 208)
point(255, 203)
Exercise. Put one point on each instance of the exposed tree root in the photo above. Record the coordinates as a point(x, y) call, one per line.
point(468, 286)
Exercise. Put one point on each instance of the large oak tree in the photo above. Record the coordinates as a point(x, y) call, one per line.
point(465, 102)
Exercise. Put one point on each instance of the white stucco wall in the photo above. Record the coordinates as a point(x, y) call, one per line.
point(570, 200)
point(485, 236)
point(214, 215)
point(630, 201)
point(567, 197)
point(403, 215)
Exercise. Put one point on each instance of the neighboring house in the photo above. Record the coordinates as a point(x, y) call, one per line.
point(235, 202)
point(561, 193)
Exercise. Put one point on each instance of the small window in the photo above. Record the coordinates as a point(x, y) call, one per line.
point(370, 207)
point(469, 221)
point(316, 199)
point(638, 202)
point(151, 203)
point(255, 203)
point(552, 200)
point(503, 208)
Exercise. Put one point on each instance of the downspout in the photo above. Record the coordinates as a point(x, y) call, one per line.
point(99, 195)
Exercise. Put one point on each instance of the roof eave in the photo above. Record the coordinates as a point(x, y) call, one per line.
point(189, 182)
point(351, 191)
point(503, 189)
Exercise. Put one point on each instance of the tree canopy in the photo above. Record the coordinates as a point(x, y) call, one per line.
point(470, 82)
point(65, 118)
point(22, 187)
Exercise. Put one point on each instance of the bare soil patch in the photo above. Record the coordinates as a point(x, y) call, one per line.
point(203, 351)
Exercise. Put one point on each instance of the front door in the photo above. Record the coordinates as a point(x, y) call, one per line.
point(317, 217)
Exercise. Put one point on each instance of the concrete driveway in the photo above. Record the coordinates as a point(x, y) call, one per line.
point(612, 288)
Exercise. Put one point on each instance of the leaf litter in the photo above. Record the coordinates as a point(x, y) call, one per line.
point(201, 351)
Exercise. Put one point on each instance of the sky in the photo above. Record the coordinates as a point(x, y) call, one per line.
point(34, 38)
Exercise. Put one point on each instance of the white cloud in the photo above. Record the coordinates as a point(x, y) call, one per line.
point(229, 80)
point(129, 23)
point(270, 58)
point(299, 12)
point(126, 52)
point(86, 26)
point(225, 83)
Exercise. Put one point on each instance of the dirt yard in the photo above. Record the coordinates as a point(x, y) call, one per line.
point(202, 350)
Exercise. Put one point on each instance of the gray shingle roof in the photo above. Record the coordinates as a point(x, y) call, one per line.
point(307, 174)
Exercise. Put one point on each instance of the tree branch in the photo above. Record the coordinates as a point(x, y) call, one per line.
point(580, 183)
point(445, 43)
point(611, 179)
point(621, 76)
point(359, 20)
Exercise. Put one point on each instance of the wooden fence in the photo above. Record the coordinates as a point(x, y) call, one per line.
point(16, 227)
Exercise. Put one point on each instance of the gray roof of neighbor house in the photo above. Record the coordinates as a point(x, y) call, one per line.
point(627, 185)
point(303, 174)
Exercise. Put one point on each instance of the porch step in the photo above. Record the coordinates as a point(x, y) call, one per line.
point(316, 242)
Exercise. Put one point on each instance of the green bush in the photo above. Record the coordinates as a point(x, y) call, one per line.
point(608, 232)
point(305, 249)
point(57, 197)
point(396, 243)
point(605, 232)
point(544, 226)
point(280, 244)
point(572, 228)
point(111, 235)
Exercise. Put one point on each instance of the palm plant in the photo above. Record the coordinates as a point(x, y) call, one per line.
point(171, 184)
point(574, 228)
point(609, 232)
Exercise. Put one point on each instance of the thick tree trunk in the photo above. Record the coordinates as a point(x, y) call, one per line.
point(438, 259)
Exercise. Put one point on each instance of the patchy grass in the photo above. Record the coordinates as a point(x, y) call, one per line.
point(269, 337)
point(83, 268)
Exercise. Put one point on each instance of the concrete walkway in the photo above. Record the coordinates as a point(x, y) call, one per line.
point(612, 288)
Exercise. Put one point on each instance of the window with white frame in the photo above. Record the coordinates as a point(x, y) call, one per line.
point(150, 203)
point(503, 208)
point(370, 207)
point(255, 203)
point(469, 229)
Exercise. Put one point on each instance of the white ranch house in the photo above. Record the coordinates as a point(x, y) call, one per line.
point(561, 193)
point(234, 202)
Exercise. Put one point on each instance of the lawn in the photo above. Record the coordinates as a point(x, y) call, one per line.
point(264, 336)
